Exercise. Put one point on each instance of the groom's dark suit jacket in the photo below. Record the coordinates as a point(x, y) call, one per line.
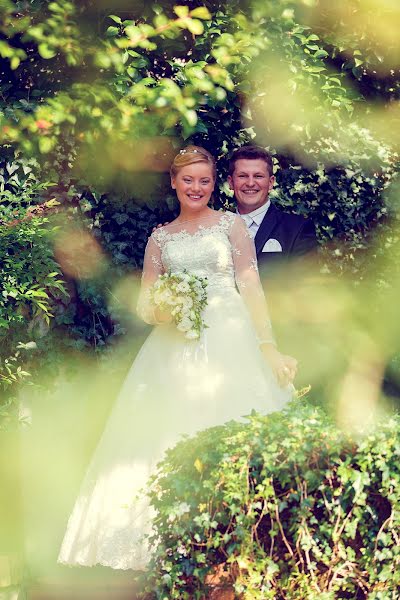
point(285, 273)
point(295, 234)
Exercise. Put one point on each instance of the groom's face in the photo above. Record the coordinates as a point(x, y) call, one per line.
point(251, 183)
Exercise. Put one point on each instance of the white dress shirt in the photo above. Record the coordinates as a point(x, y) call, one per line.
point(254, 219)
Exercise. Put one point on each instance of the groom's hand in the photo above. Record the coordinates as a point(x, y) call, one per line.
point(159, 225)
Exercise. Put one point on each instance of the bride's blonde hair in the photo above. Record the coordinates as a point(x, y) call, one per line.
point(190, 156)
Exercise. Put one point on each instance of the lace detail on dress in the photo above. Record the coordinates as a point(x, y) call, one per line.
point(159, 236)
point(222, 251)
point(224, 225)
point(156, 262)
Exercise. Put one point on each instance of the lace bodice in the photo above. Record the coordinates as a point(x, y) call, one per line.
point(206, 252)
point(219, 248)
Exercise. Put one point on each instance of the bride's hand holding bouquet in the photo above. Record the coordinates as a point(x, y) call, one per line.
point(181, 297)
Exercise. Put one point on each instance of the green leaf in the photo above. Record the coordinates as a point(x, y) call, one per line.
point(44, 307)
point(27, 346)
point(116, 19)
point(191, 117)
point(112, 31)
point(15, 62)
point(321, 54)
point(201, 127)
point(132, 31)
point(45, 51)
point(45, 144)
point(55, 7)
point(160, 21)
point(196, 27)
point(315, 69)
point(181, 11)
point(40, 294)
point(198, 465)
point(201, 13)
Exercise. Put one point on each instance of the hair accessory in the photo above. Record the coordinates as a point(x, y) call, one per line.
point(184, 151)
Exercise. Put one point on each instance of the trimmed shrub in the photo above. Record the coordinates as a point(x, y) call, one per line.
point(287, 506)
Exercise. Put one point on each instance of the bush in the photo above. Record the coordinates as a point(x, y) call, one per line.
point(286, 506)
point(31, 286)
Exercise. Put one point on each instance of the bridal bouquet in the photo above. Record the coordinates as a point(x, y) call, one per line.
point(184, 294)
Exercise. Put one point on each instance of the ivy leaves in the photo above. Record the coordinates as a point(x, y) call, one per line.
point(280, 506)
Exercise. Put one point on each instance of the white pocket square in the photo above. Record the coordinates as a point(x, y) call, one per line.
point(272, 245)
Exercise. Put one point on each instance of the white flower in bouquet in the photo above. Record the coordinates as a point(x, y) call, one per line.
point(184, 295)
point(185, 324)
point(192, 334)
point(183, 287)
point(162, 296)
point(187, 303)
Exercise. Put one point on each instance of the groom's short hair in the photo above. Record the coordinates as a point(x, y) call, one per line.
point(251, 153)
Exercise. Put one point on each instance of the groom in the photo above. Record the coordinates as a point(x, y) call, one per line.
point(279, 237)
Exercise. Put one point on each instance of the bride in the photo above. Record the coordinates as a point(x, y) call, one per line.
point(179, 386)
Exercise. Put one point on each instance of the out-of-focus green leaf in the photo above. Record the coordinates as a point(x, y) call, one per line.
point(46, 51)
point(181, 11)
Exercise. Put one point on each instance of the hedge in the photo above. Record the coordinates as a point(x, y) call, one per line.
point(284, 506)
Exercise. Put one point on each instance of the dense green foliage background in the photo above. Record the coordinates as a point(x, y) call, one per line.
point(94, 105)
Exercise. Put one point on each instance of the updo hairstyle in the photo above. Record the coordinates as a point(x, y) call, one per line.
point(190, 156)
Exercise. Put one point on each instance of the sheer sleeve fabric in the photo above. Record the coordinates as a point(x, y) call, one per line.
point(152, 268)
point(248, 280)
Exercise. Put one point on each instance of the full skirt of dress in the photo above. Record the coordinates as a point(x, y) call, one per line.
point(175, 386)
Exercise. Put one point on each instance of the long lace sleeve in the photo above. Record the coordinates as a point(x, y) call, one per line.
point(152, 268)
point(248, 280)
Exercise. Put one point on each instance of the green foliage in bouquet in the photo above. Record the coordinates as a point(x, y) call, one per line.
point(285, 506)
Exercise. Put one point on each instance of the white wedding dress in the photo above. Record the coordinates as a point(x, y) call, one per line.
point(175, 386)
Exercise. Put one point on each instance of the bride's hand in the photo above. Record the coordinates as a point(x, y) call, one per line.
point(162, 316)
point(283, 367)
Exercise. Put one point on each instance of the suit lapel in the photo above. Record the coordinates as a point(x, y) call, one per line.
point(268, 223)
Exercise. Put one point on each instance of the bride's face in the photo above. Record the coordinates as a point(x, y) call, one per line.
point(194, 185)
